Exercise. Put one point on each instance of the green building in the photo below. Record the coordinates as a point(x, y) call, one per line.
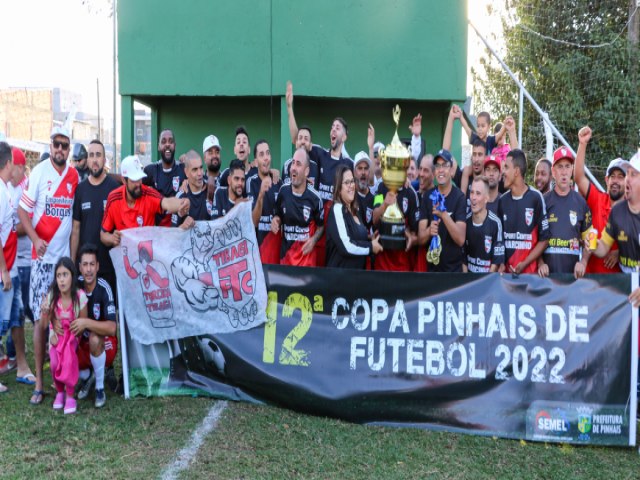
point(207, 66)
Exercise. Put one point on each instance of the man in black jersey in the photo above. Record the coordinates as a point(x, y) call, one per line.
point(88, 209)
point(263, 191)
point(492, 174)
point(450, 225)
point(98, 343)
point(299, 214)
point(475, 170)
point(484, 250)
point(226, 198)
point(362, 174)
point(303, 140)
point(542, 176)
point(167, 175)
point(211, 152)
point(196, 192)
point(524, 218)
point(569, 222)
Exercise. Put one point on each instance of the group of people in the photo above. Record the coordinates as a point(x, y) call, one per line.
point(321, 209)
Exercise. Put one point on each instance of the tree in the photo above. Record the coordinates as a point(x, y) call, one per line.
point(578, 63)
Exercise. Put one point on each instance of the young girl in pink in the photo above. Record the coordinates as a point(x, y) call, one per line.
point(64, 303)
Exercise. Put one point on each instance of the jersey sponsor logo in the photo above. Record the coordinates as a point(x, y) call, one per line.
point(528, 216)
point(96, 311)
point(405, 205)
point(573, 217)
point(175, 183)
point(139, 220)
point(86, 205)
point(111, 310)
point(306, 213)
point(622, 237)
point(58, 207)
point(487, 243)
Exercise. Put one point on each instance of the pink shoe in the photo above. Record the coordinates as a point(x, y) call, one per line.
point(58, 403)
point(70, 406)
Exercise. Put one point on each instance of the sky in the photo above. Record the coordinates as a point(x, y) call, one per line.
point(69, 43)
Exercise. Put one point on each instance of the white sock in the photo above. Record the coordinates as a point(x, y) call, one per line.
point(98, 368)
point(84, 374)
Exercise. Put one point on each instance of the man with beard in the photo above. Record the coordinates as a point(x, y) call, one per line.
point(327, 160)
point(599, 202)
point(241, 149)
point(475, 170)
point(79, 157)
point(226, 198)
point(167, 175)
point(300, 215)
point(523, 213)
point(303, 140)
point(196, 192)
point(135, 205)
point(263, 191)
point(569, 222)
point(542, 176)
point(211, 152)
point(362, 171)
point(492, 174)
point(88, 210)
point(49, 198)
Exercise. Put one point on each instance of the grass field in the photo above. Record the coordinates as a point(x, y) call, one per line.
point(139, 438)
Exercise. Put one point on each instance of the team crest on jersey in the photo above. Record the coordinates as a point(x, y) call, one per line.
point(49, 184)
point(209, 207)
point(176, 183)
point(487, 243)
point(69, 187)
point(104, 205)
point(573, 217)
point(139, 220)
point(96, 311)
point(528, 216)
point(405, 204)
point(306, 213)
point(368, 215)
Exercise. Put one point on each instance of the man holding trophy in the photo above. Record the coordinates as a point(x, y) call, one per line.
point(396, 207)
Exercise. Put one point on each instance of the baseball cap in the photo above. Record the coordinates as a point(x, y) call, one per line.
point(492, 159)
point(18, 156)
point(377, 146)
point(361, 157)
point(61, 131)
point(635, 161)
point(618, 163)
point(562, 153)
point(131, 168)
point(210, 141)
point(445, 155)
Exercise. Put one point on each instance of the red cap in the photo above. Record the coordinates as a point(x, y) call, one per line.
point(18, 156)
point(492, 159)
point(561, 154)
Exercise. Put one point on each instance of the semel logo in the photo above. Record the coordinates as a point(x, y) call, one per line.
point(554, 422)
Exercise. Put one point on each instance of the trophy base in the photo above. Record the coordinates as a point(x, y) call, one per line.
point(392, 236)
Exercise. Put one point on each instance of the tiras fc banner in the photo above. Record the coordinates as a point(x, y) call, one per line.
point(523, 357)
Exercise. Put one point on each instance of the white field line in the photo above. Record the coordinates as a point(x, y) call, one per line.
point(188, 453)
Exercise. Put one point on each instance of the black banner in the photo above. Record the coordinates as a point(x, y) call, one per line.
point(539, 359)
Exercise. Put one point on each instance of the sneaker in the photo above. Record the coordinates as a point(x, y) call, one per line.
point(110, 379)
point(70, 406)
point(86, 386)
point(101, 398)
point(58, 403)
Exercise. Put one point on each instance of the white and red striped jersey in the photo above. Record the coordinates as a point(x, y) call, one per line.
point(8, 235)
point(49, 196)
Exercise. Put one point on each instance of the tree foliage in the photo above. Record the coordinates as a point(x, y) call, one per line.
point(575, 85)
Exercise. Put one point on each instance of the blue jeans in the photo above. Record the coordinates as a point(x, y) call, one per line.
point(25, 274)
point(16, 316)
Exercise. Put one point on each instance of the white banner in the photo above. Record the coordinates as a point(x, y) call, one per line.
point(176, 283)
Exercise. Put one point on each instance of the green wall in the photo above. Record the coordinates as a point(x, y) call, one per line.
point(330, 48)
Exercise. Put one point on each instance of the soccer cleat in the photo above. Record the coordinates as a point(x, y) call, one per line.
point(58, 403)
point(101, 398)
point(86, 386)
point(70, 406)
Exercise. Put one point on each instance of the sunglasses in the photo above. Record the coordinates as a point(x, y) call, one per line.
point(58, 144)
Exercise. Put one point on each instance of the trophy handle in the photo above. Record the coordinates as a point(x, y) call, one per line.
point(396, 116)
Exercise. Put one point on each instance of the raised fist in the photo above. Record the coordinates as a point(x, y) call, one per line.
point(584, 135)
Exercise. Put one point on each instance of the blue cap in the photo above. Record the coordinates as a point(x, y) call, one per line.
point(445, 155)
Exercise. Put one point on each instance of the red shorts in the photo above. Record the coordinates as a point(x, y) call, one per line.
point(84, 353)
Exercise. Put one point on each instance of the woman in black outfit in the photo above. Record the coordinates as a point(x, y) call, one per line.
point(348, 243)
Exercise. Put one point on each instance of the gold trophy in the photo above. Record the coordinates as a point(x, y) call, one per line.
point(394, 160)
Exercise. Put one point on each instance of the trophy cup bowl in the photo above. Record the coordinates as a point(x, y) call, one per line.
point(394, 159)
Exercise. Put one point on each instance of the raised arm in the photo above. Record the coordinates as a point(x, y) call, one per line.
point(454, 113)
point(584, 135)
point(293, 126)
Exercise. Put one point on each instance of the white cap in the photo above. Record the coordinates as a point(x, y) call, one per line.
point(210, 141)
point(131, 168)
point(60, 131)
point(377, 146)
point(635, 161)
point(618, 163)
point(361, 157)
